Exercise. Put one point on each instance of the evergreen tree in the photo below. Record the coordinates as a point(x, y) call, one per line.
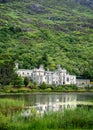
point(6, 69)
point(6, 72)
point(26, 81)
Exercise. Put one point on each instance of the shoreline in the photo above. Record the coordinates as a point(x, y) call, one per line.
point(44, 92)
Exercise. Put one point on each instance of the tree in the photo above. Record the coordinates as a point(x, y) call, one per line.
point(6, 71)
point(26, 81)
point(43, 85)
point(4, 1)
point(17, 81)
point(44, 60)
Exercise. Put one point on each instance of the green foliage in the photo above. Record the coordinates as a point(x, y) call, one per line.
point(6, 69)
point(3, 122)
point(18, 81)
point(9, 106)
point(43, 85)
point(71, 87)
point(26, 81)
point(49, 33)
point(79, 118)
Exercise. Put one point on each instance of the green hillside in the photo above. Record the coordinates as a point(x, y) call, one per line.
point(48, 32)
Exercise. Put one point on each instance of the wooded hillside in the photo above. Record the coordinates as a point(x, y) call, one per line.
point(34, 32)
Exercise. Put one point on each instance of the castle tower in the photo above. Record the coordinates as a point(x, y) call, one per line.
point(16, 66)
point(41, 67)
point(58, 67)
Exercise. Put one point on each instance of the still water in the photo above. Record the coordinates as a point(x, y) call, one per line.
point(53, 101)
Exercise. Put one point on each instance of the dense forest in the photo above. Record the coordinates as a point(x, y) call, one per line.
point(49, 32)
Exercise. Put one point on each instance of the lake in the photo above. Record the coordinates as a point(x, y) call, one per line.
point(53, 101)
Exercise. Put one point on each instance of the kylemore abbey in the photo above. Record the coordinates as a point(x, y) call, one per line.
point(57, 77)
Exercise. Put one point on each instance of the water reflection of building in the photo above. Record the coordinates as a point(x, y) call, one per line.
point(57, 77)
point(57, 104)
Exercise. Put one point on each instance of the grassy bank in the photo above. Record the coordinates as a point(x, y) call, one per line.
point(9, 106)
point(11, 118)
point(46, 88)
point(70, 119)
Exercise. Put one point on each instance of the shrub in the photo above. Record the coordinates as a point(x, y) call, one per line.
point(43, 85)
point(26, 81)
point(3, 122)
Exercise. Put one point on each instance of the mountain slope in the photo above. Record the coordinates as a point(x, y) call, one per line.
point(48, 32)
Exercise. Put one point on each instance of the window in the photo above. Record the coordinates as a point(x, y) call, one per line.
point(67, 79)
point(63, 82)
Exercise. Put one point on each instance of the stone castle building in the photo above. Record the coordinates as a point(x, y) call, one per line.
point(57, 77)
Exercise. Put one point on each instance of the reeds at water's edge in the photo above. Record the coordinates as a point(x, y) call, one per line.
point(11, 118)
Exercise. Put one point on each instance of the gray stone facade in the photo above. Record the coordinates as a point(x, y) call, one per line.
point(83, 82)
point(57, 77)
